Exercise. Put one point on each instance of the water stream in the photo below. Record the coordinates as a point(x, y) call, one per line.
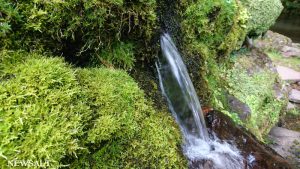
point(176, 85)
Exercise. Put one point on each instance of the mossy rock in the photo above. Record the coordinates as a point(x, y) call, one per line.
point(211, 31)
point(216, 25)
point(82, 118)
point(80, 30)
point(262, 14)
point(253, 81)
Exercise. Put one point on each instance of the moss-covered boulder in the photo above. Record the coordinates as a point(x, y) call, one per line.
point(216, 26)
point(262, 14)
point(83, 118)
point(84, 29)
point(208, 31)
point(254, 81)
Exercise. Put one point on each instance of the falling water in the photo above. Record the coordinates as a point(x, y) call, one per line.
point(184, 104)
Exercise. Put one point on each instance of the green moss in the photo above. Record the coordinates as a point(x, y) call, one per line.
point(212, 30)
point(40, 114)
point(278, 59)
point(219, 25)
point(256, 90)
point(262, 14)
point(291, 7)
point(74, 27)
point(121, 55)
point(8, 14)
point(85, 118)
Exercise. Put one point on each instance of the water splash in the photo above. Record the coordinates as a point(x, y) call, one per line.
point(184, 104)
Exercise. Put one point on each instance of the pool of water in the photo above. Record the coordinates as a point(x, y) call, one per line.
point(288, 26)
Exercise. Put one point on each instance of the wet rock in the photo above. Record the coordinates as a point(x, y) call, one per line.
point(294, 96)
point(256, 154)
point(288, 51)
point(286, 143)
point(288, 74)
point(237, 106)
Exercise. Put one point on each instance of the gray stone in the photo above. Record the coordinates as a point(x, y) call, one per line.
point(285, 143)
point(294, 96)
point(288, 51)
point(290, 106)
point(288, 74)
point(296, 45)
point(281, 91)
point(238, 107)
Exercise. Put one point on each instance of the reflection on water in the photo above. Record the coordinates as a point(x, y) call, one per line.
point(288, 26)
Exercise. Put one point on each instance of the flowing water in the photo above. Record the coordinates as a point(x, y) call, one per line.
point(184, 104)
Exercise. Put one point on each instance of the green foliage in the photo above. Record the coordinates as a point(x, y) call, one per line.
point(121, 54)
point(85, 118)
point(278, 59)
point(40, 114)
point(7, 15)
point(262, 14)
point(212, 30)
point(256, 90)
point(75, 27)
point(291, 7)
point(219, 25)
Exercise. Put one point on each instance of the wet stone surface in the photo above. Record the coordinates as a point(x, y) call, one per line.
point(256, 154)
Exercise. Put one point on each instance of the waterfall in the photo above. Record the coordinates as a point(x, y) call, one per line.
point(184, 105)
point(180, 91)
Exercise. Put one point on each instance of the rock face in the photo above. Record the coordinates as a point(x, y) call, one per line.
point(294, 96)
point(253, 80)
point(286, 143)
point(255, 153)
point(273, 40)
point(237, 106)
point(288, 51)
point(288, 74)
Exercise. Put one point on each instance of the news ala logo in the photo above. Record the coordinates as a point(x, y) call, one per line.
point(28, 163)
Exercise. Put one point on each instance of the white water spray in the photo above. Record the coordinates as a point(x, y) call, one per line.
point(184, 104)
